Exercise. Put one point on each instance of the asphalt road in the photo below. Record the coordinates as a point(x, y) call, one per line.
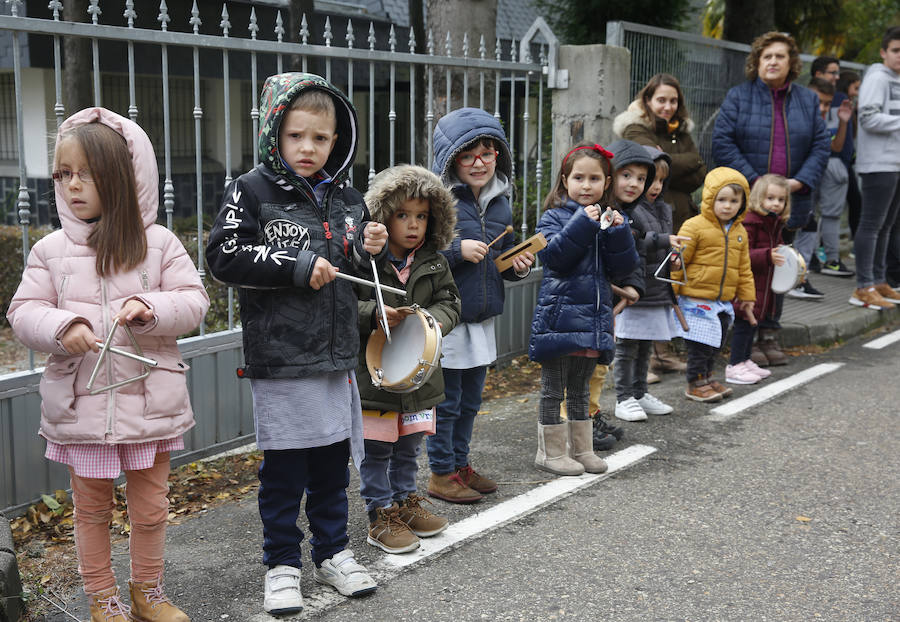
point(785, 511)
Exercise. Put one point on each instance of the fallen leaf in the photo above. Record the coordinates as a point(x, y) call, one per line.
point(803, 519)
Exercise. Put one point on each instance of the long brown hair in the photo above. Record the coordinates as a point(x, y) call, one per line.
point(646, 94)
point(559, 194)
point(118, 237)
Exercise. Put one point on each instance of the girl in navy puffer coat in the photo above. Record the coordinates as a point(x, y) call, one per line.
point(573, 322)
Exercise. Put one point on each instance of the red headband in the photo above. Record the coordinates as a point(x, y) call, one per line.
point(595, 147)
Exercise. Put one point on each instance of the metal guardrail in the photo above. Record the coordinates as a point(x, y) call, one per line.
point(222, 403)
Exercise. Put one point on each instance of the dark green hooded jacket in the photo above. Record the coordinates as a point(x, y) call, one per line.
point(430, 284)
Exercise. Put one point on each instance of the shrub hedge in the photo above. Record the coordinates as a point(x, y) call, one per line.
point(11, 273)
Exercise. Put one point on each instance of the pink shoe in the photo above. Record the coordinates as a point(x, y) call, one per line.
point(756, 369)
point(740, 374)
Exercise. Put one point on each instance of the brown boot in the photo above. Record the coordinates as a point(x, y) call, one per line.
point(421, 522)
point(450, 487)
point(757, 356)
point(475, 481)
point(390, 534)
point(702, 391)
point(652, 378)
point(149, 603)
point(720, 388)
point(106, 606)
point(768, 343)
point(664, 361)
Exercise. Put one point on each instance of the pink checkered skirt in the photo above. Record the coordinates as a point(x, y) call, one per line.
point(105, 461)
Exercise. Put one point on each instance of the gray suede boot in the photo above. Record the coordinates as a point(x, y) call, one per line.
point(581, 446)
point(551, 453)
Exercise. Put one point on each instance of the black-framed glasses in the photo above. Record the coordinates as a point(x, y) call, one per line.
point(468, 159)
point(64, 176)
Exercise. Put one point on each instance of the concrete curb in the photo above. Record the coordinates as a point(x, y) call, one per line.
point(836, 327)
point(10, 583)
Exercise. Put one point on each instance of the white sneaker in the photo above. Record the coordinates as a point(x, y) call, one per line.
point(345, 575)
point(654, 406)
point(630, 410)
point(282, 593)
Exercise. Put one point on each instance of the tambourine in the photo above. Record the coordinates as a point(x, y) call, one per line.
point(408, 360)
point(791, 273)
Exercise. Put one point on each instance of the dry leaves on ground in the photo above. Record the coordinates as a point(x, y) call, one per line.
point(43, 536)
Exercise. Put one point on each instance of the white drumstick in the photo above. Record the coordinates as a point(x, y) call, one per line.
point(356, 279)
point(380, 299)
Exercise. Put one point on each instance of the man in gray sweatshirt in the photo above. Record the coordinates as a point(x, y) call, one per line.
point(878, 164)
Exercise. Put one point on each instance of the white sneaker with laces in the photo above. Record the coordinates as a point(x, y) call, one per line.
point(282, 595)
point(654, 406)
point(344, 574)
point(756, 369)
point(630, 410)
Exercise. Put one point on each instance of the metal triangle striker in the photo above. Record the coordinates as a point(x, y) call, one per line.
point(137, 355)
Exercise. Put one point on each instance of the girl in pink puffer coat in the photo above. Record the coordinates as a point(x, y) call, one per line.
point(111, 263)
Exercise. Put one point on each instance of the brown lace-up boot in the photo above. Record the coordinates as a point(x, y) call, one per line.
point(149, 603)
point(476, 481)
point(450, 487)
point(106, 606)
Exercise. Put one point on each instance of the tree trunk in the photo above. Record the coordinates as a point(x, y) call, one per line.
point(79, 91)
point(477, 17)
point(747, 19)
point(296, 10)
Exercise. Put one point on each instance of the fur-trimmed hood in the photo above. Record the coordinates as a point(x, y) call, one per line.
point(394, 185)
point(635, 115)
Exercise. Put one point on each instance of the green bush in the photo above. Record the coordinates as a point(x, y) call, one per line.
point(12, 265)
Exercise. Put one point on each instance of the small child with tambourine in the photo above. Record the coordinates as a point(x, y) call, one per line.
point(420, 217)
point(768, 208)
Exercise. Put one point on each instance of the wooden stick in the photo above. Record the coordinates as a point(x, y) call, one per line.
point(680, 315)
point(619, 306)
point(508, 229)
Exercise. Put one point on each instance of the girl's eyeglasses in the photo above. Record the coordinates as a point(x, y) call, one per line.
point(468, 159)
point(65, 175)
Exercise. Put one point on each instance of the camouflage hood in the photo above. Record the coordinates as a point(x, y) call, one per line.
point(275, 101)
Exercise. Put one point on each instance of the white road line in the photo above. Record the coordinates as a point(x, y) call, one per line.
point(323, 598)
point(729, 410)
point(883, 342)
point(515, 508)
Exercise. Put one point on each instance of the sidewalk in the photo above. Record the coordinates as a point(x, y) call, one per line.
point(823, 322)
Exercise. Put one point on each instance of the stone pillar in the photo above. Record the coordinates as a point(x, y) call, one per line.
point(10, 584)
point(599, 89)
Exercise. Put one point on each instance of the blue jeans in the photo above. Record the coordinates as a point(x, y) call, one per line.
point(448, 448)
point(284, 475)
point(388, 472)
point(877, 226)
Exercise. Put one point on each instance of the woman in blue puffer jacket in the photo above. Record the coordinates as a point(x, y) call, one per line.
point(768, 124)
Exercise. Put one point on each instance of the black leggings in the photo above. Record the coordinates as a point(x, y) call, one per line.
point(741, 341)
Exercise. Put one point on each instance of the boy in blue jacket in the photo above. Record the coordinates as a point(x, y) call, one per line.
point(471, 156)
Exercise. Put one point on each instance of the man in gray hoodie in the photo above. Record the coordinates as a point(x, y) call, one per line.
point(878, 163)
